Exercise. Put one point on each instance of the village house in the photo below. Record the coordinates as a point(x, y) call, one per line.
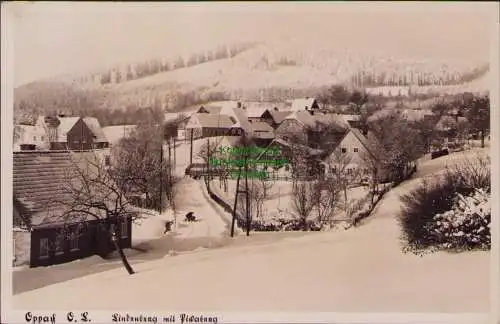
point(263, 134)
point(44, 232)
point(255, 115)
point(181, 120)
point(353, 154)
point(308, 127)
point(288, 151)
point(202, 125)
point(274, 117)
point(217, 145)
point(72, 133)
point(29, 137)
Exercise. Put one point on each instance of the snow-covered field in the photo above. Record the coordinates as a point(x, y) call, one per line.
point(279, 199)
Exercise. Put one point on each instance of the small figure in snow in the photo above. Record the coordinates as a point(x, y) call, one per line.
point(190, 217)
point(168, 226)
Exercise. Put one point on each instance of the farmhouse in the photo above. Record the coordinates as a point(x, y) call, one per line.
point(45, 232)
point(263, 134)
point(181, 120)
point(72, 133)
point(274, 117)
point(309, 127)
point(290, 151)
point(209, 125)
point(29, 137)
point(238, 114)
point(353, 152)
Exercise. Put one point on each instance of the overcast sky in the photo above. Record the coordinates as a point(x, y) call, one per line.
point(55, 38)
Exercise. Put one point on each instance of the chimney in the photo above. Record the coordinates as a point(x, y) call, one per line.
point(364, 130)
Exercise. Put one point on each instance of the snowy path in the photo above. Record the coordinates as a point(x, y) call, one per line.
point(359, 270)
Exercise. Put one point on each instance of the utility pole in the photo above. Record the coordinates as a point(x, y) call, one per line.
point(207, 178)
point(161, 175)
point(175, 160)
point(191, 150)
point(244, 191)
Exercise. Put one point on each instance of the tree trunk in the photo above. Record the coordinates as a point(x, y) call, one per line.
point(482, 138)
point(127, 265)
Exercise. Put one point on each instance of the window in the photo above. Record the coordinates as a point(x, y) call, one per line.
point(124, 228)
point(74, 241)
point(44, 248)
point(344, 150)
point(356, 149)
point(34, 138)
point(42, 138)
point(59, 244)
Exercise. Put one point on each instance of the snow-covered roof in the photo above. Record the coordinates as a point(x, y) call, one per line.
point(302, 104)
point(96, 129)
point(212, 121)
point(259, 126)
point(66, 124)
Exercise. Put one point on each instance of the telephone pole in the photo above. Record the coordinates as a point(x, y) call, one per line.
point(244, 191)
point(191, 149)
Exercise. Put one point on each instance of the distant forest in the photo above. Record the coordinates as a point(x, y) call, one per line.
point(90, 95)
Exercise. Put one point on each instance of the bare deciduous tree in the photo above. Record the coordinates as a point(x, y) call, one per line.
point(303, 201)
point(140, 168)
point(344, 173)
point(326, 195)
point(92, 192)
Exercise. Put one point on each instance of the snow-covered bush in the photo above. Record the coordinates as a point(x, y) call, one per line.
point(277, 223)
point(466, 225)
point(451, 211)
